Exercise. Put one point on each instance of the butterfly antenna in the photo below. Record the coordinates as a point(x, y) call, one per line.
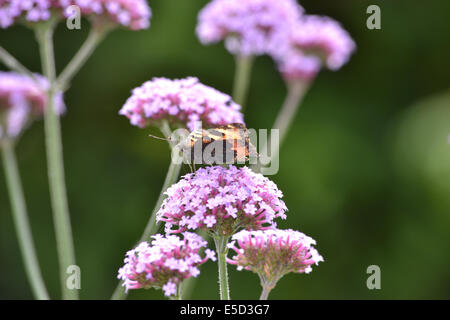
point(159, 138)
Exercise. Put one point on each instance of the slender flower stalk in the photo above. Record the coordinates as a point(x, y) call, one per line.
point(222, 250)
point(152, 225)
point(179, 294)
point(296, 92)
point(265, 292)
point(96, 35)
point(58, 193)
point(21, 222)
point(13, 64)
point(172, 175)
point(242, 79)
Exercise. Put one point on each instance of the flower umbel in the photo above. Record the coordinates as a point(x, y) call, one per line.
point(222, 201)
point(164, 263)
point(249, 27)
point(273, 253)
point(325, 38)
point(182, 101)
point(312, 42)
point(30, 10)
point(132, 14)
point(22, 99)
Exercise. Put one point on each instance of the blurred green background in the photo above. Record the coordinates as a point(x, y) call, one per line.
point(365, 169)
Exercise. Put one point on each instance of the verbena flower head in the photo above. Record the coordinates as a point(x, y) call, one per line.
point(313, 41)
point(164, 263)
point(273, 253)
point(133, 14)
point(222, 201)
point(295, 65)
point(182, 101)
point(30, 10)
point(249, 27)
point(325, 38)
point(22, 99)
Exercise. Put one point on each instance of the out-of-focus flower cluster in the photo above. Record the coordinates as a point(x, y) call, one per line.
point(133, 14)
point(249, 27)
point(164, 263)
point(222, 201)
point(30, 10)
point(300, 44)
point(273, 253)
point(182, 101)
point(22, 99)
point(314, 41)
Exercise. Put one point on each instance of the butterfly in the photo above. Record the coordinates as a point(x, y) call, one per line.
point(225, 144)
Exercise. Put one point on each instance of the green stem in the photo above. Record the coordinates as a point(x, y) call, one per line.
point(265, 293)
point(222, 250)
point(171, 177)
point(95, 36)
point(58, 193)
point(180, 292)
point(21, 222)
point(242, 79)
point(296, 92)
point(13, 64)
point(152, 226)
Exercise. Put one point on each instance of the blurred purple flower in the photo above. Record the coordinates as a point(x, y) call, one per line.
point(222, 201)
point(184, 101)
point(164, 263)
point(314, 41)
point(30, 10)
point(21, 100)
point(249, 27)
point(273, 253)
point(133, 14)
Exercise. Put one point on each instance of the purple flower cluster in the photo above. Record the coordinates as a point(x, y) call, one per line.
point(164, 263)
point(21, 99)
point(301, 44)
point(133, 14)
point(30, 10)
point(312, 42)
point(249, 27)
point(273, 253)
point(325, 38)
point(222, 201)
point(184, 101)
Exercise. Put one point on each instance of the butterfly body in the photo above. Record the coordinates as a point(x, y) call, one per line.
point(227, 144)
point(221, 145)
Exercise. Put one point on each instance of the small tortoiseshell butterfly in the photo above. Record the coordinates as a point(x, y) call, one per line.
point(221, 145)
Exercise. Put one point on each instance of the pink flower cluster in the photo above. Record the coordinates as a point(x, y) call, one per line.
point(301, 44)
point(164, 263)
point(249, 27)
point(133, 14)
point(273, 253)
point(21, 99)
point(222, 201)
point(325, 38)
point(184, 101)
point(312, 42)
point(30, 10)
